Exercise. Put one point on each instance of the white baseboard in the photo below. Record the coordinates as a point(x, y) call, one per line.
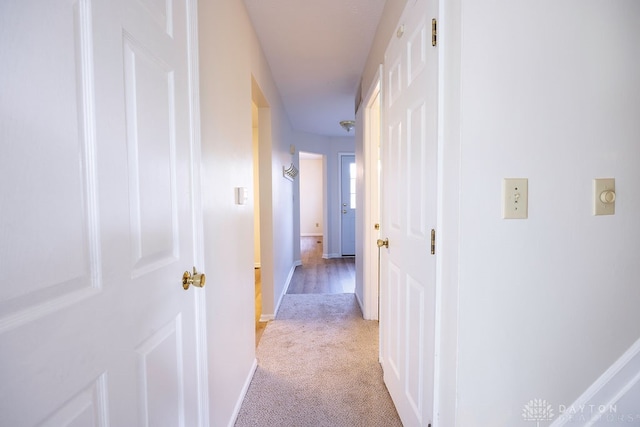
point(360, 304)
point(243, 393)
point(310, 234)
point(286, 286)
point(329, 256)
point(609, 389)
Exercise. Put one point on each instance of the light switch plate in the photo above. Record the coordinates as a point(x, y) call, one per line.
point(604, 196)
point(242, 195)
point(515, 198)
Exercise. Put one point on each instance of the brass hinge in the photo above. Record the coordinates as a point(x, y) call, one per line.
point(434, 32)
point(433, 241)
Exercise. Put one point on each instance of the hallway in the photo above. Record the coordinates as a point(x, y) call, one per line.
point(318, 360)
point(317, 275)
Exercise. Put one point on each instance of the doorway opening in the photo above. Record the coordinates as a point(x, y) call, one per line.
point(372, 170)
point(318, 272)
point(262, 208)
point(312, 191)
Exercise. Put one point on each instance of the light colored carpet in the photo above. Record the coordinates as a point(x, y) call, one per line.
point(318, 366)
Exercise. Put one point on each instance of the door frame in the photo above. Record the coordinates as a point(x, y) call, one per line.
point(193, 66)
point(372, 133)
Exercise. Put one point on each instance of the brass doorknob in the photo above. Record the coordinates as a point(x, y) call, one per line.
point(197, 279)
point(384, 243)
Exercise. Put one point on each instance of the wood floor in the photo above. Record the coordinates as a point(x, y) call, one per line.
point(322, 276)
point(315, 276)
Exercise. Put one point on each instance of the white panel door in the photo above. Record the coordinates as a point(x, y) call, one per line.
point(348, 204)
point(96, 223)
point(408, 210)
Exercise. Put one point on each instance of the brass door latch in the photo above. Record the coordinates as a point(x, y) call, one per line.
point(197, 279)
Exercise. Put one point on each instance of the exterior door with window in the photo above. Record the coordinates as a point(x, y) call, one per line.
point(96, 222)
point(348, 204)
point(409, 172)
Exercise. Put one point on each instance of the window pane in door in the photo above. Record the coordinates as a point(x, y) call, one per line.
point(352, 185)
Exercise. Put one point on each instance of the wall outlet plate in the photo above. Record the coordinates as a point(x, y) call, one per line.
point(515, 198)
point(604, 196)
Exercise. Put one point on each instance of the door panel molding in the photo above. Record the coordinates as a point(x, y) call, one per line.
point(409, 212)
point(88, 407)
point(64, 278)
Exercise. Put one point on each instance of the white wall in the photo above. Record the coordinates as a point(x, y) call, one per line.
point(311, 196)
point(229, 56)
point(330, 147)
point(549, 91)
point(535, 308)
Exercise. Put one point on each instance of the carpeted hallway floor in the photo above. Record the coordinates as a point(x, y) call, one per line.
point(318, 360)
point(318, 366)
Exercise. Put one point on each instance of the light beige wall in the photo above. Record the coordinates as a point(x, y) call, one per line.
point(536, 308)
point(545, 305)
point(229, 56)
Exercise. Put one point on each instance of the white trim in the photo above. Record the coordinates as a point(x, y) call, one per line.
point(310, 234)
point(202, 367)
point(286, 286)
point(329, 256)
point(243, 393)
point(360, 305)
point(371, 205)
point(445, 398)
point(611, 386)
point(267, 317)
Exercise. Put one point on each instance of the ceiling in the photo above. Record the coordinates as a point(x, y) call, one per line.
point(317, 50)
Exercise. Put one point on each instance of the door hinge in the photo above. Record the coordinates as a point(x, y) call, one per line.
point(433, 241)
point(434, 32)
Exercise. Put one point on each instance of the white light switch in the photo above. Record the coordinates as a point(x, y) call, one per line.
point(515, 198)
point(604, 196)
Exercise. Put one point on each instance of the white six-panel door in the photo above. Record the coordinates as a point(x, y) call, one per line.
point(408, 209)
point(96, 223)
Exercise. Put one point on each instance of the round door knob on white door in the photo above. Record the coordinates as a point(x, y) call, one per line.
point(608, 196)
point(197, 279)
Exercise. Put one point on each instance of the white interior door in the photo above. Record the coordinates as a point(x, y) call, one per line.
point(348, 203)
point(409, 214)
point(96, 223)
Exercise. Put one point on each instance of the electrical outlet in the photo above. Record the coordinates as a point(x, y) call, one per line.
point(515, 198)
